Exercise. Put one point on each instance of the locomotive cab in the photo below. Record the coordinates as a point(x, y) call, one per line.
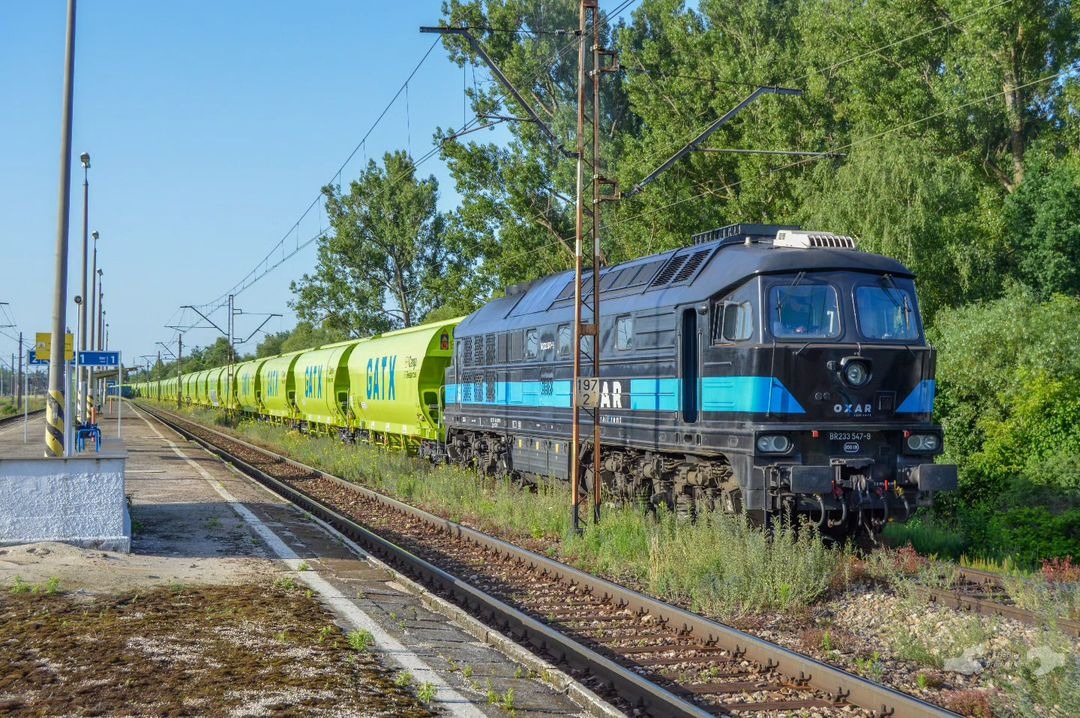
point(843, 434)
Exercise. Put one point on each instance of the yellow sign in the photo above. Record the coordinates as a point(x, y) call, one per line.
point(43, 347)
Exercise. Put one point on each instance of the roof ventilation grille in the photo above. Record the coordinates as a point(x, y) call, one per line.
point(692, 264)
point(668, 272)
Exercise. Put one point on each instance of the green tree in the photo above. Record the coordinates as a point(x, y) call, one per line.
point(271, 344)
point(386, 262)
point(1043, 220)
point(307, 336)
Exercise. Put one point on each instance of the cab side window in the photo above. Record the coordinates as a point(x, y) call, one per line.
point(734, 316)
point(736, 322)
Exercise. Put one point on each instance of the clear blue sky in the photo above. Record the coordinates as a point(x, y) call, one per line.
point(211, 126)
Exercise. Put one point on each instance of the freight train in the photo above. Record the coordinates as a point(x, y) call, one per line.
point(760, 369)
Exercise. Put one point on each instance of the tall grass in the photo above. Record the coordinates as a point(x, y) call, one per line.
point(719, 564)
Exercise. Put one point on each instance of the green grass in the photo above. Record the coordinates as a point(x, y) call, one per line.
point(719, 564)
point(361, 640)
point(426, 692)
point(927, 538)
point(7, 405)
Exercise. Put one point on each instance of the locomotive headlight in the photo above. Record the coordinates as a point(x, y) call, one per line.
point(856, 373)
point(773, 444)
point(923, 442)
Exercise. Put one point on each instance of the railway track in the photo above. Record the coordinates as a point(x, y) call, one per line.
point(15, 418)
point(658, 659)
point(983, 592)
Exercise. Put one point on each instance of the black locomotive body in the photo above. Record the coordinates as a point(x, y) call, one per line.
point(761, 369)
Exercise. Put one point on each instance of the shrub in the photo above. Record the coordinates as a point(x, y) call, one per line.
point(1009, 399)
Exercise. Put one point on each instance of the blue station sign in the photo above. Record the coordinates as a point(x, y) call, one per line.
point(34, 361)
point(99, 358)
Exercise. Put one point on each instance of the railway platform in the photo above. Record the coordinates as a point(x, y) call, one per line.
point(197, 522)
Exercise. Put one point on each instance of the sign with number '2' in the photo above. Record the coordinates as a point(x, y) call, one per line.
point(588, 392)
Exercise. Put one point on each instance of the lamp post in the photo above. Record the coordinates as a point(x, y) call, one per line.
point(72, 426)
point(81, 408)
point(93, 292)
point(101, 310)
point(101, 338)
point(94, 271)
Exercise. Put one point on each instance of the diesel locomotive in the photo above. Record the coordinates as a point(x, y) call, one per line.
point(760, 369)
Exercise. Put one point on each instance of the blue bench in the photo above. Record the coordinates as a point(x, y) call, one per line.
point(87, 431)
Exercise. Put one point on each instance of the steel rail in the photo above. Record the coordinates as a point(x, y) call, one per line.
point(961, 601)
point(15, 418)
point(881, 700)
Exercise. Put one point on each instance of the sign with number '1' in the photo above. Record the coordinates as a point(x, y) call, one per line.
point(99, 358)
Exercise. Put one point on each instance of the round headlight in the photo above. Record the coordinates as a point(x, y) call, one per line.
point(856, 373)
point(922, 442)
point(773, 444)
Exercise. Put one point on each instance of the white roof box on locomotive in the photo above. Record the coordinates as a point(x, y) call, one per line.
point(797, 239)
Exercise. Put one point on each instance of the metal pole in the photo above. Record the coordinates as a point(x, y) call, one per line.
point(597, 185)
point(54, 416)
point(91, 389)
point(26, 404)
point(228, 371)
point(78, 368)
point(83, 379)
point(93, 294)
point(579, 228)
point(179, 371)
point(67, 409)
point(19, 380)
point(120, 395)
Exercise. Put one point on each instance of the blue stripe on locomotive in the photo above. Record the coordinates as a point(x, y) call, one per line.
point(737, 394)
point(748, 394)
point(920, 400)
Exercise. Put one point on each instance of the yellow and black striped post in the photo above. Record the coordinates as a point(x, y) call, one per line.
point(54, 424)
point(54, 413)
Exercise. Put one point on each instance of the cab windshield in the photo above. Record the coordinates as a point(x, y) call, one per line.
point(886, 311)
point(804, 310)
